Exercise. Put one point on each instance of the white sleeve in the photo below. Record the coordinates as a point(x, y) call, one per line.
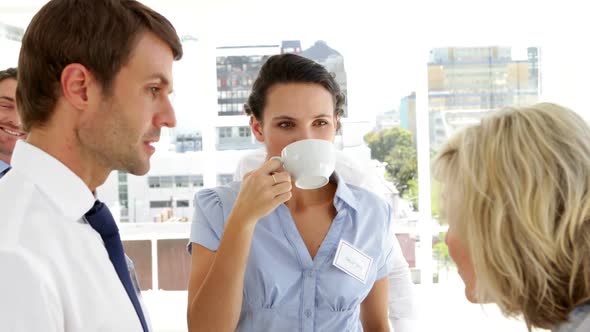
point(402, 302)
point(27, 302)
point(249, 162)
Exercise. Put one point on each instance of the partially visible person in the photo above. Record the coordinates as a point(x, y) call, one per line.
point(516, 193)
point(402, 304)
point(10, 128)
point(94, 78)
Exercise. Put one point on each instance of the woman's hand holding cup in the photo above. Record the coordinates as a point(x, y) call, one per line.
point(262, 191)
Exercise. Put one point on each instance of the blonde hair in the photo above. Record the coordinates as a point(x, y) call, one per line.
point(521, 183)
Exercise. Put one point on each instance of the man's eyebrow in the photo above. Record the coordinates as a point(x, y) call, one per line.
point(163, 80)
point(160, 77)
point(8, 98)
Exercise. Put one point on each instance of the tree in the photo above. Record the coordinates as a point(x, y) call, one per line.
point(381, 143)
point(440, 251)
point(395, 146)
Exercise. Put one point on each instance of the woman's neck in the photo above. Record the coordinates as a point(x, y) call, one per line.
point(303, 199)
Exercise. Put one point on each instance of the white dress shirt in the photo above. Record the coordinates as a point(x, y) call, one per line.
point(55, 271)
point(402, 305)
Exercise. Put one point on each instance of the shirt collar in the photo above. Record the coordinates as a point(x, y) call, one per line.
point(59, 184)
point(343, 192)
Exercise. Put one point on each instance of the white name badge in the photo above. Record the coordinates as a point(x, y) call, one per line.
point(352, 261)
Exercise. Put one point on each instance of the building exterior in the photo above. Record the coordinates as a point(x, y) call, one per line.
point(10, 38)
point(464, 81)
point(323, 54)
point(407, 111)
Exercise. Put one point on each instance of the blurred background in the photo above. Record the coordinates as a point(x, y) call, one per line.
point(414, 73)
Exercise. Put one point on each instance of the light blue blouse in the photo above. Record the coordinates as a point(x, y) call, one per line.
point(284, 288)
point(578, 321)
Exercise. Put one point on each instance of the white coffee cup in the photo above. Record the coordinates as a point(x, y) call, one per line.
point(310, 162)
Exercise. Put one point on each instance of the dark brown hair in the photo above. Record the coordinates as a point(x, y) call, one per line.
point(99, 34)
point(8, 73)
point(291, 68)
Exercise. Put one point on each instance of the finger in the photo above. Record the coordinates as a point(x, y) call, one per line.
point(280, 177)
point(281, 188)
point(271, 166)
point(282, 198)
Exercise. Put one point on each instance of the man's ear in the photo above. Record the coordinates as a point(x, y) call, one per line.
point(75, 80)
point(256, 127)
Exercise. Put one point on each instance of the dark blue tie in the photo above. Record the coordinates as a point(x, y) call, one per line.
point(4, 172)
point(100, 218)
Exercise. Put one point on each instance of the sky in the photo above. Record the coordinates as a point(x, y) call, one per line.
point(385, 44)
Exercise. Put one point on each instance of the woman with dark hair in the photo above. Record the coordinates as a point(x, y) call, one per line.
point(263, 251)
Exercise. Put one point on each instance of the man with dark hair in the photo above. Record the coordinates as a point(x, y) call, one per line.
point(93, 94)
point(10, 130)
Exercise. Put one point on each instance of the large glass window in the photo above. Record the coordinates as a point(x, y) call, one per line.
point(223, 179)
point(196, 180)
point(166, 181)
point(160, 204)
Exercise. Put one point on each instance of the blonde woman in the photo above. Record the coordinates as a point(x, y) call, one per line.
point(517, 199)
